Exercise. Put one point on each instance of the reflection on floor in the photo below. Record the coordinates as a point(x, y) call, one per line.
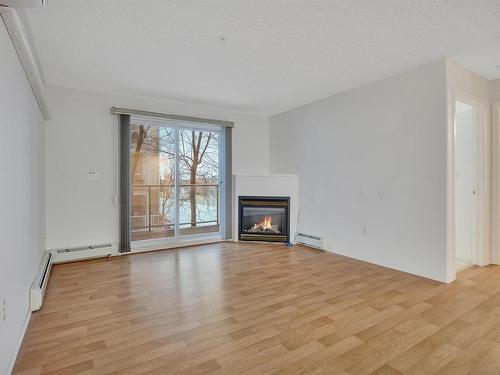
point(255, 309)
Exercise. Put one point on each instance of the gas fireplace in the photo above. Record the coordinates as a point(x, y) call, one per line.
point(264, 219)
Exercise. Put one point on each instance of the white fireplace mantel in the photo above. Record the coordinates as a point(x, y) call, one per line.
point(267, 185)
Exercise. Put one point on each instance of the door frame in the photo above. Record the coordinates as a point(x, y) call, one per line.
point(484, 181)
point(193, 239)
point(495, 246)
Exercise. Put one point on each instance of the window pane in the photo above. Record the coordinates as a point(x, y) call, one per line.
point(198, 181)
point(152, 152)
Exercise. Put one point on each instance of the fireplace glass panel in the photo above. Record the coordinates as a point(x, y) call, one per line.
point(269, 220)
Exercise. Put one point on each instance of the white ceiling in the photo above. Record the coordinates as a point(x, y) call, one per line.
point(483, 60)
point(276, 54)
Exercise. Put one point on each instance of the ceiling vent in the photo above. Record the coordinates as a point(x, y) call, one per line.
point(23, 3)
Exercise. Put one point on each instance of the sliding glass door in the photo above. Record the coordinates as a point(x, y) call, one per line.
point(199, 181)
point(176, 179)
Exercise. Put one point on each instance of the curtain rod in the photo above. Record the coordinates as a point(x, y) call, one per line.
point(129, 111)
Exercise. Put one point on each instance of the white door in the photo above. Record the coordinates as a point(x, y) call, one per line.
point(467, 123)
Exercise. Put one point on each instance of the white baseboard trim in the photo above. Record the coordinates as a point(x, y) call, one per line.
point(175, 245)
point(18, 344)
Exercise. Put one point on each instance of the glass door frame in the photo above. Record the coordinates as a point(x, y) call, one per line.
point(178, 238)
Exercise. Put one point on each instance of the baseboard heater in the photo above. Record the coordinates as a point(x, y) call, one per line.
point(83, 252)
point(311, 240)
point(40, 283)
point(80, 248)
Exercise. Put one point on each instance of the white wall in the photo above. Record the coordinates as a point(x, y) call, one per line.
point(374, 159)
point(22, 195)
point(81, 137)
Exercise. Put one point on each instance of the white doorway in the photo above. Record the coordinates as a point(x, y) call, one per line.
point(468, 164)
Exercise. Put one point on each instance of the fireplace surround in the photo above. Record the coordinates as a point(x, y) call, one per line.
point(264, 218)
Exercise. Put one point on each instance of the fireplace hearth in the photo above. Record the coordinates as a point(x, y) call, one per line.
point(264, 218)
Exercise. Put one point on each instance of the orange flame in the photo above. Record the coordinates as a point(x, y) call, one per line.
point(265, 224)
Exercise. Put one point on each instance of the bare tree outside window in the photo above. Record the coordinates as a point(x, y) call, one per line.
point(199, 175)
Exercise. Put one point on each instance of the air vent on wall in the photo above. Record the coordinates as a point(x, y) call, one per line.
point(84, 252)
point(311, 240)
point(80, 248)
point(40, 283)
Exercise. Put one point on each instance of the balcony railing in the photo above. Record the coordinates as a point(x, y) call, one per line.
point(153, 210)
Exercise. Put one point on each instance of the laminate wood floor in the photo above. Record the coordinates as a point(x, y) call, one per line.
point(260, 309)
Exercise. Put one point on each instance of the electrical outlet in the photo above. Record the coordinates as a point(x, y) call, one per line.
point(365, 230)
point(93, 175)
point(4, 310)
